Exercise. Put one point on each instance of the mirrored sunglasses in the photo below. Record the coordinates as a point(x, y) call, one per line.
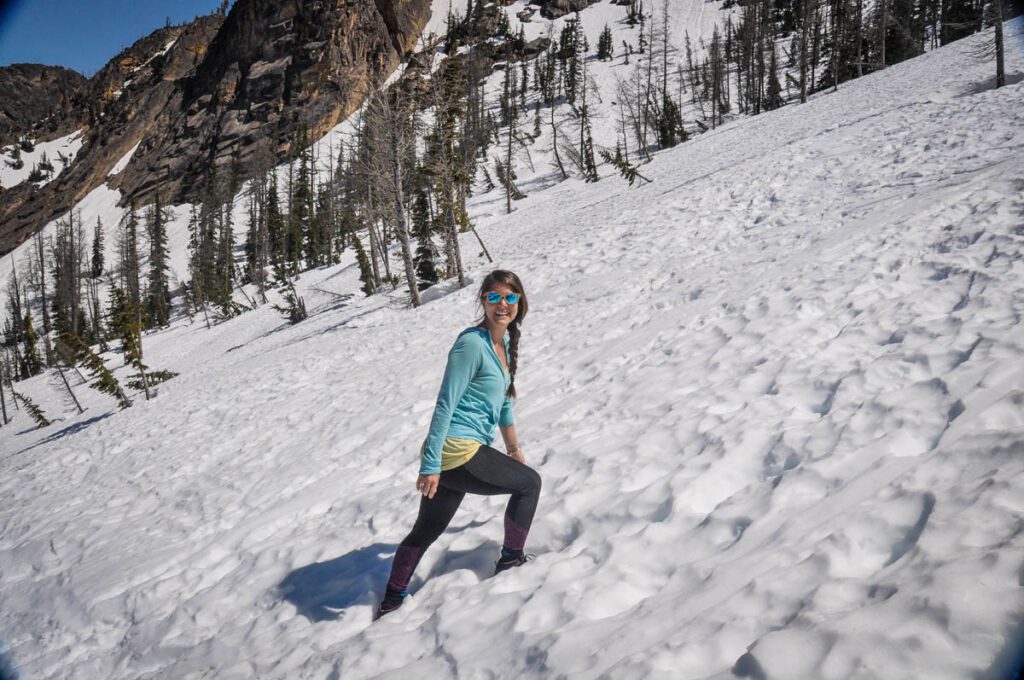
point(495, 298)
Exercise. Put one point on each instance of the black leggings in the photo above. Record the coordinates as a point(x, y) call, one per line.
point(489, 472)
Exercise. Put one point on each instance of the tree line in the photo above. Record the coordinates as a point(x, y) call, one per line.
point(400, 182)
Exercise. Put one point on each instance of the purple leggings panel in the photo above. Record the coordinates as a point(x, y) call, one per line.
point(489, 473)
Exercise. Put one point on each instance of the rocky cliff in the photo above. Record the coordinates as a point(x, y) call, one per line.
point(38, 101)
point(195, 97)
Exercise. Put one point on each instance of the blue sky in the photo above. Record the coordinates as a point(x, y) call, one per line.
point(84, 34)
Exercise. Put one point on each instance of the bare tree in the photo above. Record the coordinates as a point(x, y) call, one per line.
point(391, 133)
point(994, 13)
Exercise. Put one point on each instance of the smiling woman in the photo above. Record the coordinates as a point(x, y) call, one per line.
point(475, 398)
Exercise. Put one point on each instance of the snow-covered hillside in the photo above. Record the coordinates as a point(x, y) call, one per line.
point(776, 397)
point(44, 157)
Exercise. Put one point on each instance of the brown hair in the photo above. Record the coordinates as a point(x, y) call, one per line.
point(514, 329)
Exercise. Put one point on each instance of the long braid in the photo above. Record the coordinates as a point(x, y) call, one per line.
point(513, 356)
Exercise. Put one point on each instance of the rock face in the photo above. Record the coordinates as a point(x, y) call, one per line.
point(552, 9)
point(37, 101)
point(217, 91)
point(117, 107)
point(274, 67)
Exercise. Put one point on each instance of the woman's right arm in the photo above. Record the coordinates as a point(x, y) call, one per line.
point(463, 362)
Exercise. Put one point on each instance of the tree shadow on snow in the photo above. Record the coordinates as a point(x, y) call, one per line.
point(990, 83)
point(64, 432)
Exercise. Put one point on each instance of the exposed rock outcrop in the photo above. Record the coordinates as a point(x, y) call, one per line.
point(552, 9)
point(38, 101)
point(273, 68)
point(119, 106)
point(200, 96)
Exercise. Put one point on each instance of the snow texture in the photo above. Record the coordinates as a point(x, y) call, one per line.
point(776, 397)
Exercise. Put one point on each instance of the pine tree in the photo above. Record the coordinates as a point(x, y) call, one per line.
point(295, 306)
point(158, 296)
point(960, 18)
point(96, 268)
point(300, 199)
point(127, 317)
point(426, 252)
point(605, 45)
point(129, 255)
point(629, 172)
point(365, 271)
point(571, 55)
point(774, 99)
point(589, 166)
point(670, 124)
point(104, 380)
point(33, 410)
point(275, 224)
point(31, 361)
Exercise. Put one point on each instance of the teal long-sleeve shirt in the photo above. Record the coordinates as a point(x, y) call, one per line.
point(472, 400)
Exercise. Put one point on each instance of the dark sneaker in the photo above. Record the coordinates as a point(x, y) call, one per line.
point(506, 563)
point(390, 603)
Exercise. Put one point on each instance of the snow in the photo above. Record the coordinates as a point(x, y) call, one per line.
point(69, 145)
point(775, 397)
point(437, 24)
point(122, 163)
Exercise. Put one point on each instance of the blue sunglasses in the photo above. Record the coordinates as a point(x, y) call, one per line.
point(495, 298)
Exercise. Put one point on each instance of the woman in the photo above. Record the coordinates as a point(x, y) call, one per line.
point(475, 397)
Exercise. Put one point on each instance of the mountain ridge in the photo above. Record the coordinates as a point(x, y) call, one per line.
point(194, 97)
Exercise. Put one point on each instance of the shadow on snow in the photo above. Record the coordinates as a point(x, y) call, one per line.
point(322, 591)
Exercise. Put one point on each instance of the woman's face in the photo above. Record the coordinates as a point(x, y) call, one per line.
point(500, 314)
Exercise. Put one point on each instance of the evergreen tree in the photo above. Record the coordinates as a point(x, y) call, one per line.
point(365, 271)
point(158, 295)
point(301, 240)
point(33, 410)
point(571, 55)
point(426, 252)
point(586, 141)
point(126, 318)
point(774, 99)
point(96, 268)
point(32, 363)
point(295, 306)
point(670, 124)
point(629, 172)
point(276, 236)
point(121, 322)
point(605, 45)
point(960, 18)
point(104, 380)
point(129, 252)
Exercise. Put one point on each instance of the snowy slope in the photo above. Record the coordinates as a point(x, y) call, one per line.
point(775, 396)
point(68, 145)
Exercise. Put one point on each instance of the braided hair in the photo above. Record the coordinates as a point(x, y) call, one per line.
point(515, 328)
